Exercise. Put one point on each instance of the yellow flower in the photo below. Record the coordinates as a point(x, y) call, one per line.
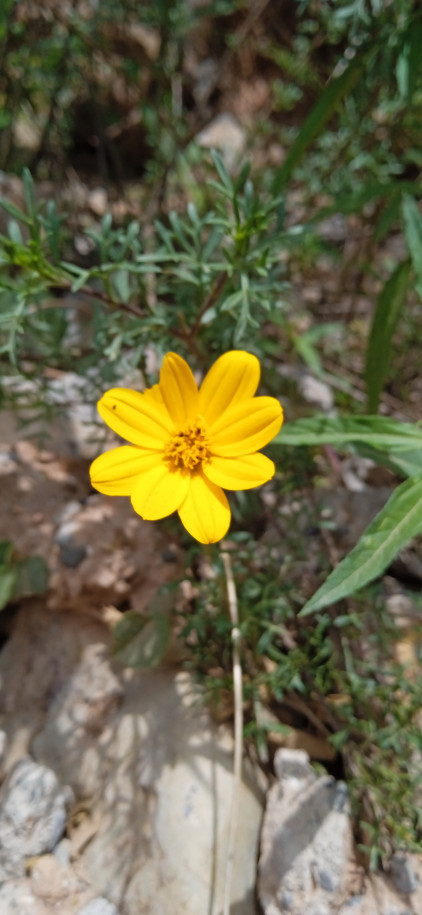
point(187, 443)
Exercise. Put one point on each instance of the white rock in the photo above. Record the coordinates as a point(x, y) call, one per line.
point(166, 808)
point(306, 840)
point(316, 392)
point(155, 769)
point(403, 873)
point(99, 906)
point(97, 201)
point(17, 898)
point(70, 741)
point(225, 134)
point(33, 810)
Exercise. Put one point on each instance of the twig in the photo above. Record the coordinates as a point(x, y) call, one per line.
point(238, 728)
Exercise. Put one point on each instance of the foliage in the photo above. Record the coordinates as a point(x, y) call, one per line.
point(213, 257)
point(19, 577)
point(214, 280)
point(341, 671)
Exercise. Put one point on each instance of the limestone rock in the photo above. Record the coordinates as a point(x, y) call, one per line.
point(36, 665)
point(316, 392)
point(403, 873)
point(33, 811)
point(17, 898)
point(308, 864)
point(166, 808)
point(71, 740)
point(225, 134)
point(306, 841)
point(98, 906)
point(153, 770)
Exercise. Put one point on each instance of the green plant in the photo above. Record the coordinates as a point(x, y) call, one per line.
point(19, 577)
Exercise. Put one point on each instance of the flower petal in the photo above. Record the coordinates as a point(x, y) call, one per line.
point(137, 417)
point(205, 512)
point(159, 492)
point(240, 472)
point(116, 472)
point(154, 394)
point(232, 378)
point(179, 389)
point(246, 427)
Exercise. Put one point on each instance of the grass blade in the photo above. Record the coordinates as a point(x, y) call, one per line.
point(322, 111)
point(387, 312)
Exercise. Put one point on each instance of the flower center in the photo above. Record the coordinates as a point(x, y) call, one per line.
point(188, 447)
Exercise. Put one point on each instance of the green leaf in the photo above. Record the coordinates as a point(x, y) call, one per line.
point(376, 431)
point(121, 283)
point(31, 577)
point(406, 463)
point(387, 312)
point(413, 230)
point(28, 192)
point(7, 586)
point(408, 65)
point(322, 111)
point(15, 233)
point(222, 171)
point(15, 212)
point(396, 524)
point(388, 216)
point(6, 552)
point(140, 641)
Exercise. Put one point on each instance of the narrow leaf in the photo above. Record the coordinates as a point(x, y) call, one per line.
point(399, 521)
point(376, 431)
point(387, 312)
point(15, 212)
point(413, 230)
point(322, 111)
point(31, 577)
point(7, 586)
point(140, 642)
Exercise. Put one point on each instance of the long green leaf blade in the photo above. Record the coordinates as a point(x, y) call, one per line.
point(413, 230)
point(399, 521)
point(392, 444)
point(376, 431)
point(387, 312)
point(322, 111)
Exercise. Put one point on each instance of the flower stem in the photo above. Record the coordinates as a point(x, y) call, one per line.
point(238, 727)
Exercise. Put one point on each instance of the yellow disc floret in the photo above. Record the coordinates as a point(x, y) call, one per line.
point(188, 447)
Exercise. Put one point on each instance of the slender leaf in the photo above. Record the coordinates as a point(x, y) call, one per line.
point(404, 463)
point(7, 586)
point(28, 190)
point(387, 312)
point(396, 524)
point(413, 229)
point(409, 62)
point(376, 431)
point(6, 552)
point(322, 111)
point(141, 641)
point(31, 577)
point(15, 212)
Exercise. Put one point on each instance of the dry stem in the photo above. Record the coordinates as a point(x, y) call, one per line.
point(238, 728)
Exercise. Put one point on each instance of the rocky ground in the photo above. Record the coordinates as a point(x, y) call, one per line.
point(116, 784)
